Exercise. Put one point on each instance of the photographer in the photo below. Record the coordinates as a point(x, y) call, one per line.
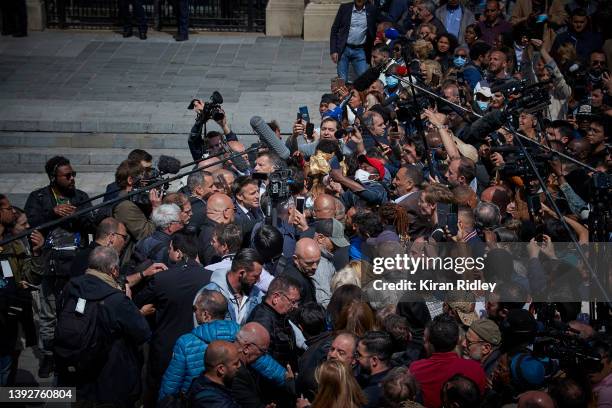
point(216, 142)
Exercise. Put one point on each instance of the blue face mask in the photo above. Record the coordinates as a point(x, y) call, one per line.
point(392, 82)
point(459, 61)
point(483, 105)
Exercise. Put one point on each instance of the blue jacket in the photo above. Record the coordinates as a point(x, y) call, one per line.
point(188, 357)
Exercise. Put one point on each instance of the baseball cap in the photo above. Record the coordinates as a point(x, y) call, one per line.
point(377, 164)
point(462, 303)
point(527, 370)
point(334, 230)
point(483, 89)
point(487, 330)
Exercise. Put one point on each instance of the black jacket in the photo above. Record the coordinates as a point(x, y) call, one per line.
point(172, 292)
point(342, 24)
point(207, 394)
point(81, 260)
point(206, 252)
point(198, 207)
point(246, 390)
point(39, 209)
point(371, 388)
point(318, 347)
point(307, 287)
point(119, 380)
point(282, 339)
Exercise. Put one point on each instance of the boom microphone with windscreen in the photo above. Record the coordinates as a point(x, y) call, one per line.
point(267, 136)
point(168, 165)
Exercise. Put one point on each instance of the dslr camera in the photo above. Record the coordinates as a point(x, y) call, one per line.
point(212, 109)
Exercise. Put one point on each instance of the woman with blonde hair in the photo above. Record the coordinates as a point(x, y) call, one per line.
point(337, 388)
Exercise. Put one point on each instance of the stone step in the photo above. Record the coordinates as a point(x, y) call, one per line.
point(147, 141)
point(92, 160)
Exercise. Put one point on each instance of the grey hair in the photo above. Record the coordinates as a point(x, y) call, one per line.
point(165, 214)
point(213, 302)
point(487, 215)
point(197, 179)
point(103, 259)
point(429, 5)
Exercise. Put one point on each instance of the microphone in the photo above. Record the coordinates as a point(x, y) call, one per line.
point(363, 81)
point(168, 165)
point(267, 135)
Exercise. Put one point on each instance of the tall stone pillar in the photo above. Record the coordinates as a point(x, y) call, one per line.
point(285, 18)
point(37, 15)
point(318, 19)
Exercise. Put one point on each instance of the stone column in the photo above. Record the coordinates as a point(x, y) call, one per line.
point(318, 19)
point(37, 15)
point(285, 18)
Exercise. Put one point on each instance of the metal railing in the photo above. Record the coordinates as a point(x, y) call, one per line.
point(210, 15)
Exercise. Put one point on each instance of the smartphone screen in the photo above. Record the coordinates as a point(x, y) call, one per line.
point(299, 204)
point(304, 112)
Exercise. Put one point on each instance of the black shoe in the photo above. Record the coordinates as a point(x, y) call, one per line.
point(47, 366)
point(181, 37)
point(127, 34)
point(20, 35)
point(142, 36)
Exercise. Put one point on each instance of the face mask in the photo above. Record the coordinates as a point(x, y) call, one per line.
point(391, 82)
point(459, 61)
point(483, 105)
point(362, 176)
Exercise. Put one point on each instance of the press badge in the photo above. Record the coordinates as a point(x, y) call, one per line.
point(80, 306)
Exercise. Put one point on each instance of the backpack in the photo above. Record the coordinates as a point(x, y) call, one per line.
point(82, 342)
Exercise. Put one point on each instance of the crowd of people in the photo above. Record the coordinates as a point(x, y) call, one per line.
point(250, 282)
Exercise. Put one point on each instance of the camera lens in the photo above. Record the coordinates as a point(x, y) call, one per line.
point(217, 116)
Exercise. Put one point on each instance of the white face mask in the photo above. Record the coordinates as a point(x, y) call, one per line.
point(362, 176)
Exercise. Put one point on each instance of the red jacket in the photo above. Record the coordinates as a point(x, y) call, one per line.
point(432, 373)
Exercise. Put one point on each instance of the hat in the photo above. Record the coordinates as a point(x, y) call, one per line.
point(462, 303)
point(527, 370)
point(584, 110)
point(334, 230)
point(487, 330)
point(483, 89)
point(466, 150)
point(377, 164)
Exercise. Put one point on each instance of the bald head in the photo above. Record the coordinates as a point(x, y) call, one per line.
point(219, 352)
point(307, 256)
point(535, 399)
point(324, 207)
point(253, 340)
point(220, 208)
point(497, 195)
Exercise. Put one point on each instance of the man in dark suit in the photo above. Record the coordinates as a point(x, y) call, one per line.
point(200, 185)
point(352, 36)
point(248, 213)
point(407, 183)
point(171, 293)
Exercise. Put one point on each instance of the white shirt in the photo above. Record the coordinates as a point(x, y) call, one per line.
point(402, 198)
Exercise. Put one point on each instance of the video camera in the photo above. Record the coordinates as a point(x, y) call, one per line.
point(524, 97)
point(411, 109)
point(516, 164)
point(212, 109)
point(560, 345)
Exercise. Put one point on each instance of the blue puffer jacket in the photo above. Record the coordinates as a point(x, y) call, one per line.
point(188, 357)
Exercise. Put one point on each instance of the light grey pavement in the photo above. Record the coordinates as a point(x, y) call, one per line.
point(93, 95)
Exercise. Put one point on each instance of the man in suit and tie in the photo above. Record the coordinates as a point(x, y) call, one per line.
point(248, 212)
point(407, 183)
point(352, 36)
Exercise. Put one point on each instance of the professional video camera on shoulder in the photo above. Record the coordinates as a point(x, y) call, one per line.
point(210, 110)
point(165, 165)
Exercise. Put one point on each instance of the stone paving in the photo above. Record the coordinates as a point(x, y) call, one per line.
point(93, 95)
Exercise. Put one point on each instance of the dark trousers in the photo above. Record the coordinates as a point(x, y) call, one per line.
point(126, 17)
point(181, 11)
point(14, 17)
